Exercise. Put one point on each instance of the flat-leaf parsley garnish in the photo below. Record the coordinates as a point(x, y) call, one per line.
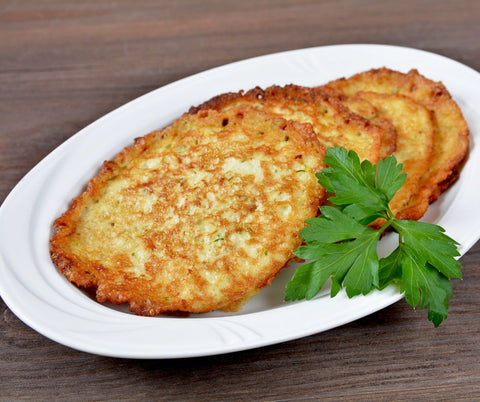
point(342, 247)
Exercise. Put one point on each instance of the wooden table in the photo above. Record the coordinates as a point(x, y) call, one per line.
point(65, 63)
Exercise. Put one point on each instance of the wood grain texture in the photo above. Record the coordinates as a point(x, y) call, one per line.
point(65, 63)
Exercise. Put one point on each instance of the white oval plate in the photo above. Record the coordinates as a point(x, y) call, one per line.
point(34, 290)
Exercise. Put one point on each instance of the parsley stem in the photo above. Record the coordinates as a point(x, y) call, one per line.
point(390, 214)
point(400, 237)
point(385, 226)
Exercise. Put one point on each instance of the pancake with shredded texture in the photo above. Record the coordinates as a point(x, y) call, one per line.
point(365, 109)
point(415, 133)
point(196, 217)
point(451, 141)
point(333, 122)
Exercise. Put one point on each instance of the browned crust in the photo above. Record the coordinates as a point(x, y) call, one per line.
point(451, 143)
point(139, 293)
point(365, 109)
point(299, 98)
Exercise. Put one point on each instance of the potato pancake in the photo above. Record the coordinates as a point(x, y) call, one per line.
point(366, 110)
point(451, 131)
point(334, 123)
point(415, 132)
point(196, 217)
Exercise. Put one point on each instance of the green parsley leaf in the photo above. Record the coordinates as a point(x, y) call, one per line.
point(332, 227)
point(421, 283)
point(353, 263)
point(352, 182)
point(334, 260)
point(425, 285)
point(343, 248)
point(429, 243)
point(390, 269)
point(389, 176)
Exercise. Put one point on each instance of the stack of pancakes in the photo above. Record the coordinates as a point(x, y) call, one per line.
point(201, 215)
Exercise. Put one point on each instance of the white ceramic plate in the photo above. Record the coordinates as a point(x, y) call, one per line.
point(35, 291)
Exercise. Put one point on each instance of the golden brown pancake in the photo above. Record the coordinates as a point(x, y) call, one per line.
point(415, 132)
point(451, 131)
point(365, 109)
point(334, 123)
point(196, 217)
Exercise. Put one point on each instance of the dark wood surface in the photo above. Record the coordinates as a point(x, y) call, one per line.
point(65, 63)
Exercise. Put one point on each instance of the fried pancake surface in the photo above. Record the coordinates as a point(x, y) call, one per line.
point(365, 109)
point(196, 217)
point(451, 131)
point(415, 134)
point(334, 123)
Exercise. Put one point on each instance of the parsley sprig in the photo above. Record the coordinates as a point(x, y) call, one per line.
point(342, 247)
